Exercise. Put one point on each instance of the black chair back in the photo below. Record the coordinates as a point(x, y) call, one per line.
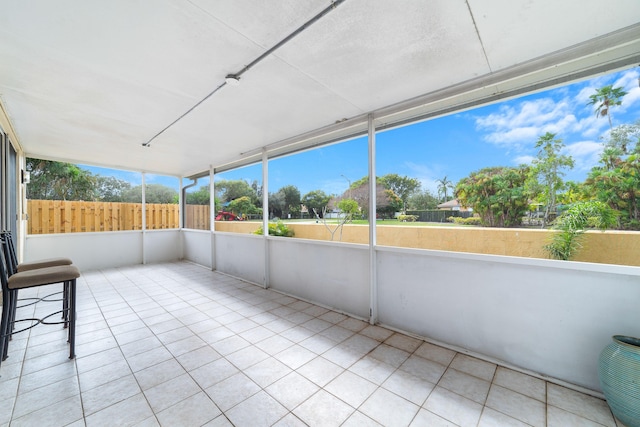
point(9, 253)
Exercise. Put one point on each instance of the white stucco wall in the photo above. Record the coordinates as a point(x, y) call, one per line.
point(197, 246)
point(332, 274)
point(240, 255)
point(88, 251)
point(548, 317)
point(91, 251)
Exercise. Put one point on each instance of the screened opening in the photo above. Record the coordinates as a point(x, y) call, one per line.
point(238, 199)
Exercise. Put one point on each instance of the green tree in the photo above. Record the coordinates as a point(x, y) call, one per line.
point(202, 196)
point(110, 188)
point(233, 189)
point(605, 98)
point(444, 185)
point(497, 194)
point(257, 189)
point(574, 192)
point(276, 204)
point(285, 201)
point(422, 200)
point(388, 204)
point(316, 199)
point(546, 172)
point(154, 193)
point(242, 205)
point(348, 207)
point(291, 196)
point(616, 181)
point(387, 201)
point(402, 186)
point(59, 181)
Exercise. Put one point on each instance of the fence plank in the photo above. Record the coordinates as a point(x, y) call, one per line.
point(59, 216)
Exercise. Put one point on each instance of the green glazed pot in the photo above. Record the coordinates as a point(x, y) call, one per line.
point(619, 370)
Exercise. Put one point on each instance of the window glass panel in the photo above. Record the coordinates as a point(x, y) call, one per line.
point(161, 201)
point(322, 193)
point(238, 199)
point(70, 198)
point(498, 178)
point(197, 213)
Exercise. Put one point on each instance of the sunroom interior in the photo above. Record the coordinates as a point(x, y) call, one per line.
point(196, 88)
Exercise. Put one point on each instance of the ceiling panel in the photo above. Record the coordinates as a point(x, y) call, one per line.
point(249, 17)
point(91, 82)
point(516, 31)
point(378, 53)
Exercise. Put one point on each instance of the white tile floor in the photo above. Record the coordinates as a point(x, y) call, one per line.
point(178, 345)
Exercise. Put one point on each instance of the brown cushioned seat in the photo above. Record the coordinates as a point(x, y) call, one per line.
point(43, 276)
point(34, 274)
point(43, 263)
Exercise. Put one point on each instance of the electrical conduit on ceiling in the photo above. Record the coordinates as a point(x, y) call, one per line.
point(235, 77)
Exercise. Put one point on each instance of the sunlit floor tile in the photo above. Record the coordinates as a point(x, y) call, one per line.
point(453, 407)
point(588, 407)
point(516, 405)
point(178, 344)
point(389, 409)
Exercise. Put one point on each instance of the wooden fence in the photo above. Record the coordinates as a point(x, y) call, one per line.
point(58, 216)
point(198, 217)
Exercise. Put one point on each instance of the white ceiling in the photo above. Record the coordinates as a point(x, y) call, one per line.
point(91, 81)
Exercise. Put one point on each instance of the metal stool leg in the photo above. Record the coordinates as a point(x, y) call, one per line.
point(5, 325)
point(72, 319)
point(65, 302)
point(12, 312)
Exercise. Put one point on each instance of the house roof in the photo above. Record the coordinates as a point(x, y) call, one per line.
point(141, 85)
point(453, 203)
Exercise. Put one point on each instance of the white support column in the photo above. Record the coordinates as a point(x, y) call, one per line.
point(181, 212)
point(212, 215)
point(373, 277)
point(144, 219)
point(181, 208)
point(265, 214)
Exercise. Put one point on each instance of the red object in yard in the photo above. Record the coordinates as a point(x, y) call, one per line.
point(227, 216)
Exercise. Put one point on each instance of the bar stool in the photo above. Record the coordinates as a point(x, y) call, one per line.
point(13, 266)
point(12, 284)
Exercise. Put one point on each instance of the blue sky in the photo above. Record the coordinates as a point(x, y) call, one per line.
point(502, 134)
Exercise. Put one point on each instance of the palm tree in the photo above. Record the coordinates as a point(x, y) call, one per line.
point(605, 98)
point(443, 185)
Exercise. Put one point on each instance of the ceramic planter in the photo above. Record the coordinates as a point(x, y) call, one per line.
point(619, 370)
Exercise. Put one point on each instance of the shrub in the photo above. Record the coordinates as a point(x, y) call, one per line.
point(276, 229)
point(407, 218)
point(473, 220)
point(574, 222)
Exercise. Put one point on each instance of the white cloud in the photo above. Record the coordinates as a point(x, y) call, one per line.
point(513, 137)
point(427, 176)
point(591, 126)
point(523, 160)
point(582, 98)
point(520, 125)
point(631, 98)
point(334, 186)
point(628, 80)
point(586, 154)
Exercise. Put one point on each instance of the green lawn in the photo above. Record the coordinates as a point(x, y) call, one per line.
point(380, 222)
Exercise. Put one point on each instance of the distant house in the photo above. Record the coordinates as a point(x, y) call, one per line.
point(453, 205)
